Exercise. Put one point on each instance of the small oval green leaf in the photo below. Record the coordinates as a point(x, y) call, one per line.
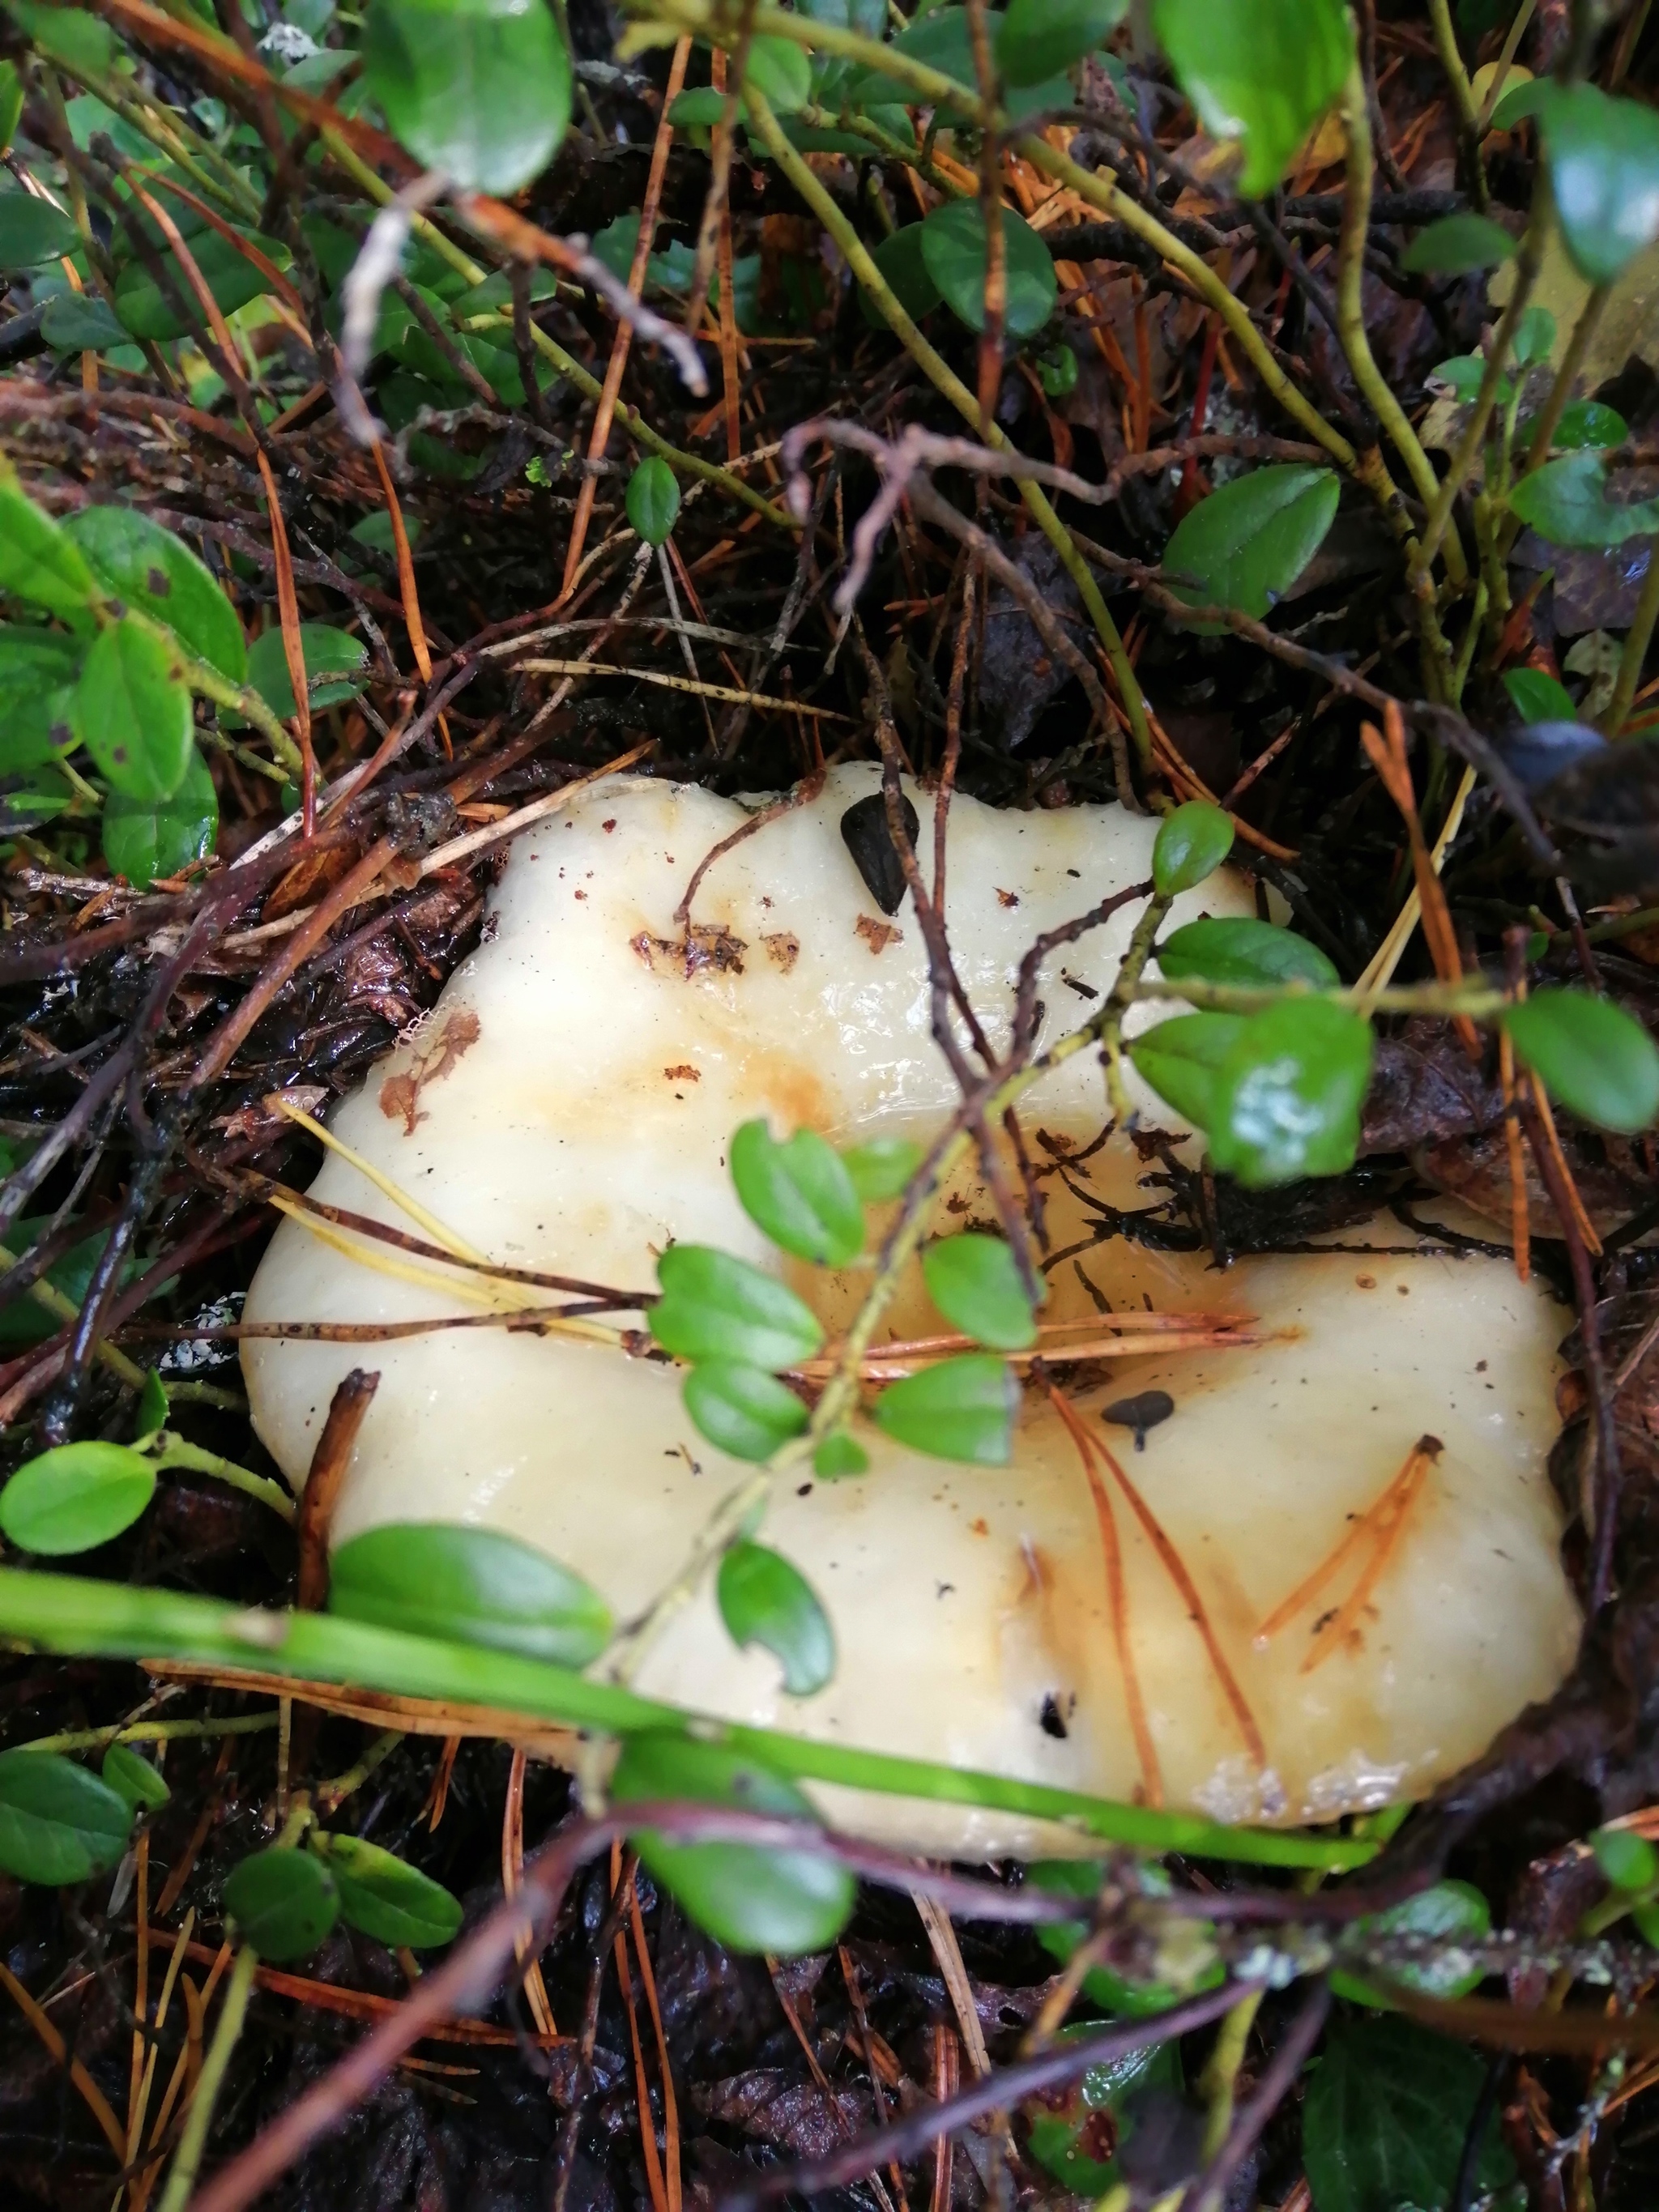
point(953, 249)
point(481, 92)
point(1629, 1861)
point(75, 1497)
point(974, 1282)
point(135, 1778)
point(1566, 502)
point(144, 838)
point(1457, 244)
point(145, 565)
point(1238, 950)
point(1246, 544)
point(386, 1898)
point(961, 1409)
point(1192, 842)
point(1181, 1058)
point(57, 1823)
point(38, 560)
point(780, 71)
point(904, 271)
point(1040, 38)
point(131, 711)
point(33, 231)
point(653, 499)
point(283, 1902)
point(470, 1586)
point(147, 312)
point(1451, 1914)
point(1586, 425)
point(1287, 1097)
point(1537, 696)
point(881, 1169)
point(785, 1902)
point(1262, 75)
point(1604, 169)
point(765, 1600)
point(1591, 1055)
point(743, 1410)
point(337, 667)
point(799, 1192)
point(840, 1455)
point(714, 1306)
point(1534, 336)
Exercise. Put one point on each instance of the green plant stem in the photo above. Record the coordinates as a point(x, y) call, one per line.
point(79, 1617)
point(1471, 639)
point(50, 1299)
point(1462, 93)
point(1544, 428)
point(1468, 449)
point(1121, 998)
point(1351, 318)
point(1102, 193)
point(173, 1451)
point(1220, 2082)
point(1473, 997)
point(945, 380)
point(152, 1732)
point(188, 2161)
point(1511, 46)
point(1637, 638)
point(331, 1796)
point(206, 680)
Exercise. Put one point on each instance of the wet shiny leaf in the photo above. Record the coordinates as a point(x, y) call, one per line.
point(75, 1497)
point(1191, 844)
point(1537, 696)
point(764, 1599)
point(1287, 1095)
point(1249, 541)
point(469, 1586)
point(1449, 1914)
point(481, 92)
point(1604, 166)
point(1386, 2111)
point(784, 1902)
point(1239, 949)
point(144, 838)
point(33, 231)
point(1181, 1058)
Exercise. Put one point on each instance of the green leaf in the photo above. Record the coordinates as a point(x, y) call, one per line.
point(139, 563)
point(1457, 244)
point(75, 1497)
point(131, 711)
point(38, 672)
point(1592, 1056)
point(1566, 502)
point(1057, 371)
point(144, 309)
point(1451, 1913)
point(11, 104)
point(742, 1409)
point(840, 1455)
point(939, 39)
point(799, 1192)
point(22, 1321)
point(39, 562)
point(1464, 372)
point(699, 109)
point(653, 499)
point(1604, 168)
point(784, 1902)
point(1041, 38)
point(1287, 1095)
point(765, 1600)
point(1629, 1861)
point(80, 322)
point(1535, 335)
point(1264, 74)
point(974, 1282)
point(387, 1898)
point(33, 231)
point(1192, 842)
point(904, 267)
point(1537, 697)
point(71, 35)
point(1062, 1938)
point(715, 1307)
point(1181, 1059)
point(953, 251)
point(153, 1408)
point(961, 1409)
point(1236, 949)
point(469, 1586)
point(781, 72)
point(482, 93)
point(59, 1824)
point(135, 1778)
point(881, 1169)
point(1385, 2117)
point(339, 661)
point(283, 1902)
point(144, 838)
point(1587, 424)
point(1246, 544)
point(1069, 2129)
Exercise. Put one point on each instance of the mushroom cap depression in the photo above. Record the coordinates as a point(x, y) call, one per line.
point(567, 1106)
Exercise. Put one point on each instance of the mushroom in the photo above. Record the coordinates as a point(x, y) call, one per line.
point(1319, 1583)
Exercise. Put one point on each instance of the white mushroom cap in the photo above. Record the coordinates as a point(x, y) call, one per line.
point(567, 1106)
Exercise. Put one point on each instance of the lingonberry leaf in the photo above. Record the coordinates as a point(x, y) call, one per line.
point(1287, 1095)
point(652, 501)
point(1591, 1055)
point(880, 1169)
point(1191, 844)
point(714, 1306)
point(57, 1823)
point(799, 1192)
point(1041, 38)
point(765, 1599)
point(134, 1778)
point(131, 711)
point(973, 1281)
point(282, 1901)
point(469, 1586)
point(144, 565)
point(386, 1897)
point(75, 1497)
point(1181, 1058)
point(953, 250)
point(1263, 75)
point(1246, 544)
point(144, 838)
point(741, 1409)
point(960, 1409)
point(1238, 949)
point(1458, 243)
point(481, 92)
